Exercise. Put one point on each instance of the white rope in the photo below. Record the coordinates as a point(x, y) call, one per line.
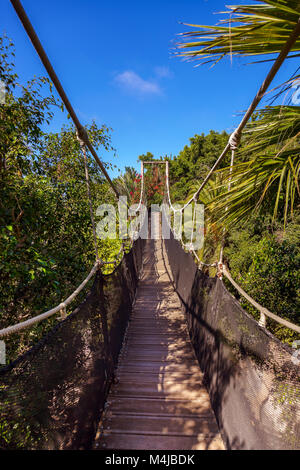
point(233, 147)
point(168, 189)
point(178, 235)
point(62, 306)
point(194, 220)
point(190, 246)
point(141, 199)
point(142, 188)
point(212, 265)
point(234, 139)
point(193, 225)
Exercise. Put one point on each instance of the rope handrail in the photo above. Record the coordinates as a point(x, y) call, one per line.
point(27, 323)
point(62, 306)
point(264, 312)
point(52, 74)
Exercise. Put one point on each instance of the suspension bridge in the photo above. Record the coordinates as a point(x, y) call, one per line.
point(158, 355)
point(159, 400)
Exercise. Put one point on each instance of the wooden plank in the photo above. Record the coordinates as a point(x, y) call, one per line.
point(166, 336)
point(155, 331)
point(163, 356)
point(158, 377)
point(162, 425)
point(156, 340)
point(146, 442)
point(184, 390)
point(134, 346)
point(156, 367)
point(161, 406)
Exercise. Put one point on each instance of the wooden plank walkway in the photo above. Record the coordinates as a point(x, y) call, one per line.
point(159, 402)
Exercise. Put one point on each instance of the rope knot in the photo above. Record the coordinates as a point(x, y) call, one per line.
point(220, 268)
point(63, 310)
point(234, 139)
point(82, 136)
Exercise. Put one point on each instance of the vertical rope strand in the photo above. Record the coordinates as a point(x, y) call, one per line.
point(87, 179)
point(193, 222)
point(226, 209)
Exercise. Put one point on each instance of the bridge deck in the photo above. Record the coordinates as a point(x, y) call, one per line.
point(160, 402)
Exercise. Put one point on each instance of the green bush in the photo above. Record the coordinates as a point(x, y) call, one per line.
point(267, 267)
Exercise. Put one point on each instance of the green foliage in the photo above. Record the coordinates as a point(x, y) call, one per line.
point(147, 157)
point(267, 266)
point(21, 116)
point(154, 179)
point(265, 175)
point(127, 184)
point(193, 162)
point(46, 244)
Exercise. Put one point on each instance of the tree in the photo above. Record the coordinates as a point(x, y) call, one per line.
point(146, 157)
point(194, 161)
point(128, 184)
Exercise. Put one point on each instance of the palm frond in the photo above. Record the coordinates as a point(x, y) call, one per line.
point(250, 30)
point(267, 174)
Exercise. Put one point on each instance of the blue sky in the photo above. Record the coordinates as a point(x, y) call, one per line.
point(115, 62)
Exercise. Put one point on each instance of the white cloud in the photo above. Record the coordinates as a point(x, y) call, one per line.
point(131, 81)
point(163, 72)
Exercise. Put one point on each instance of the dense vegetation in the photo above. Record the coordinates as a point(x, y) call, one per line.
point(46, 240)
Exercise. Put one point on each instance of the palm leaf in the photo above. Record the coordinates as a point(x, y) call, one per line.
point(260, 29)
point(267, 174)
